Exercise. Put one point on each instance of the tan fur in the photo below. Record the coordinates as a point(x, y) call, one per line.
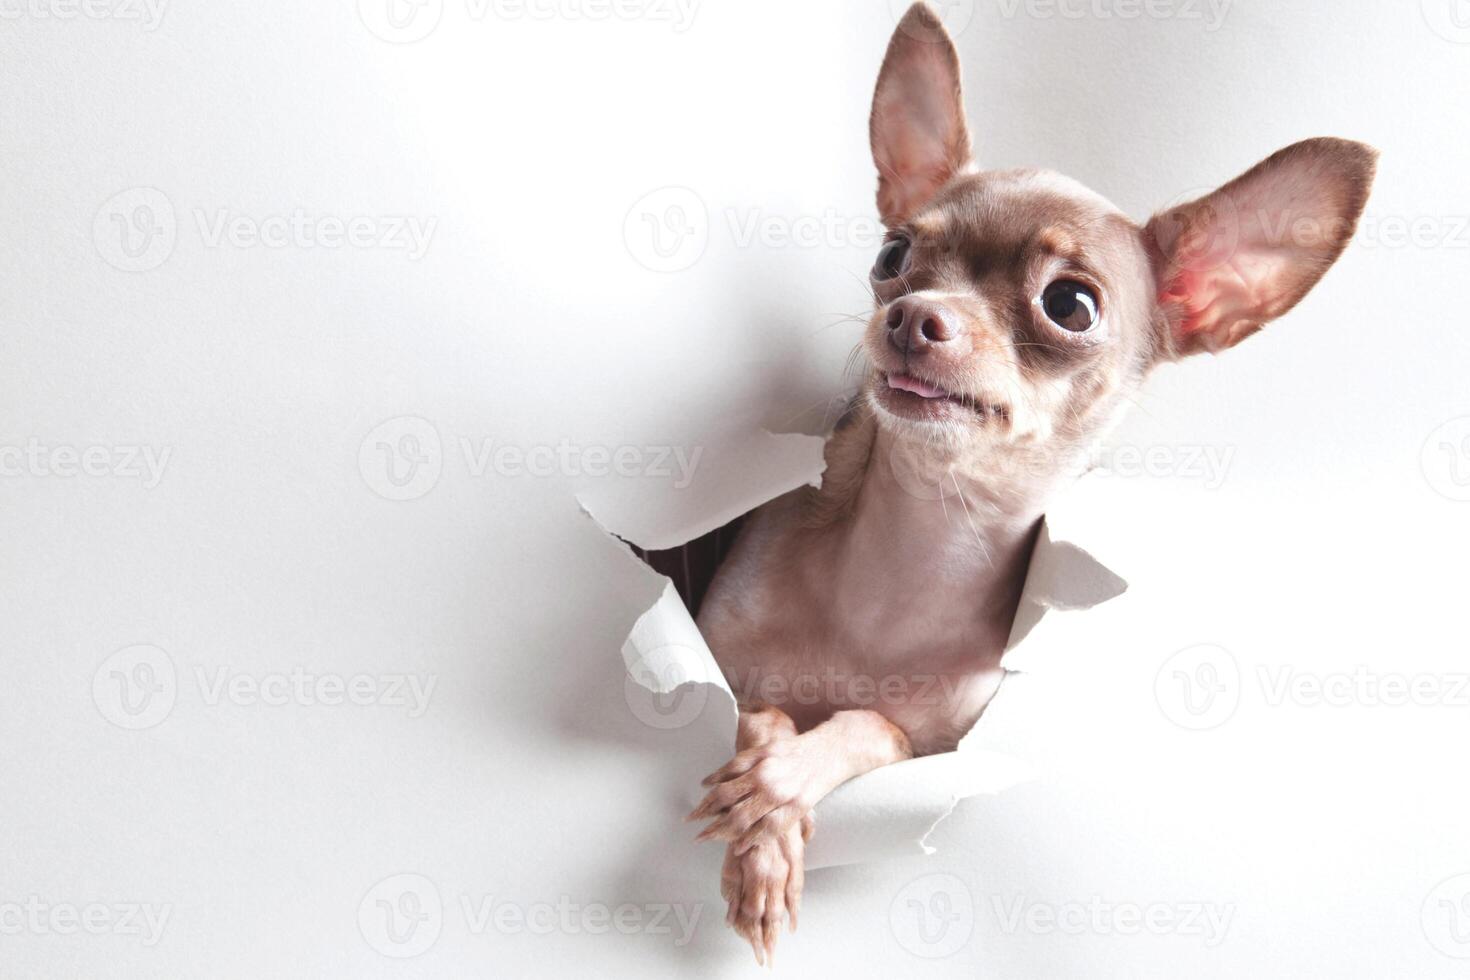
point(863, 623)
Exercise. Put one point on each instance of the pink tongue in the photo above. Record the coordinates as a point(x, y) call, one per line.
point(905, 383)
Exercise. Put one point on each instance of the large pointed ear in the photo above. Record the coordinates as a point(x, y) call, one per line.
point(1245, 254)
point(917, 127)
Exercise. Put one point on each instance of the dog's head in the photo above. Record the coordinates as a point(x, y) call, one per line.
point(1020, 308)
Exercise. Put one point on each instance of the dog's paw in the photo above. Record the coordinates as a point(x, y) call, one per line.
point(763, 724)
point(757, 796)
point(763, 888)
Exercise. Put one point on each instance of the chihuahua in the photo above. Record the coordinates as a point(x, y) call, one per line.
point(1016, 312)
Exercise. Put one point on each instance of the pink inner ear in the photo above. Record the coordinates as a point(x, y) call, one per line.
point(919, 136)
point(1225, 298)
point(920, 103)
point(1247, 253)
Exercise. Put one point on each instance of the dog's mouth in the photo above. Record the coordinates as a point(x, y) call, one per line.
point(915, 398)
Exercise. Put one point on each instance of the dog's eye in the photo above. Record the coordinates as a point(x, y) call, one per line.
point(892, 260)
point(1070, 305)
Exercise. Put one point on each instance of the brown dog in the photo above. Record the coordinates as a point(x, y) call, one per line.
point(863, 623)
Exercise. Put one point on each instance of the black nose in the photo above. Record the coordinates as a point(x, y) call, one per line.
point(915, 324)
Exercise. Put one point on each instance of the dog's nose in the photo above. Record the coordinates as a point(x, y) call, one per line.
point(916, 324)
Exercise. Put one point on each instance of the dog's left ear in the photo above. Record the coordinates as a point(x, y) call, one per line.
point(917, 128)
point(1238, 258)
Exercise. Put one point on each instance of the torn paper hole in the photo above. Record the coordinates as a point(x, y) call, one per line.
point(892, 811)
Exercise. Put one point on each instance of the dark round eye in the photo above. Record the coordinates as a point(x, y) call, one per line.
point(892, 260)
point(1070, 305)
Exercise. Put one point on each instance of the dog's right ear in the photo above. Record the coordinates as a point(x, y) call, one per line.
point(917, 128)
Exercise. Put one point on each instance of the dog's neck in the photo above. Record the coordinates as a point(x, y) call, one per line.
point(933, 542)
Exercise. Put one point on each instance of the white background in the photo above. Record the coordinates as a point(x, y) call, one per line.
point(1332, 544)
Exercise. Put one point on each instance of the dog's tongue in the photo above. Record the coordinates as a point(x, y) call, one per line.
point(905, 383)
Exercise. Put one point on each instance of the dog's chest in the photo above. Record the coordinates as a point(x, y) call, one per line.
point(812, 647)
